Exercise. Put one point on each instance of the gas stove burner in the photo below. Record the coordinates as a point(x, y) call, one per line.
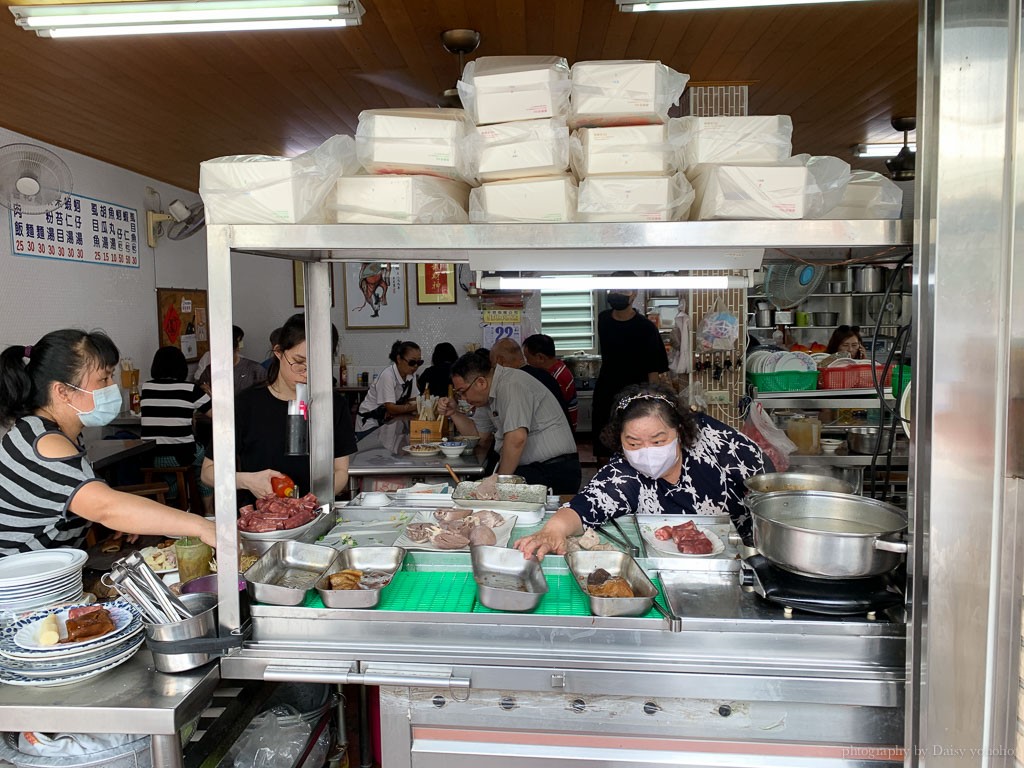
point(832, 597)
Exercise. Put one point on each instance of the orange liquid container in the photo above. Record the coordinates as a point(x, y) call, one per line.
point(806, 434)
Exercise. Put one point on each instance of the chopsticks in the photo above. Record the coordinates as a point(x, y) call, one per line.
point(452, 473)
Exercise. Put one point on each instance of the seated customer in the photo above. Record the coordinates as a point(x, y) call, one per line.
point(539, 351)
point(667, 461)
point(169, 403)
point(438, 377)
point(247, 372)
point(509, 354)
point(531, 433)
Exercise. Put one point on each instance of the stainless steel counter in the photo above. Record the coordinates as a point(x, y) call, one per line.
point(380, 461)
point(133, 698)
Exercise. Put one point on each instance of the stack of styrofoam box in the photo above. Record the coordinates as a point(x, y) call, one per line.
point(625, 147)
point(739, 170)
point(418, 173)
point(259, 189)
point(868, 196)
point(519, 149)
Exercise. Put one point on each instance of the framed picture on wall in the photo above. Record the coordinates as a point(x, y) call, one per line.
point(299, 284)
point(435, 283)
point(376, 295)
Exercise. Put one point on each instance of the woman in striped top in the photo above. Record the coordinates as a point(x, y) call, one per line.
point(49, 494)
point(168, 404)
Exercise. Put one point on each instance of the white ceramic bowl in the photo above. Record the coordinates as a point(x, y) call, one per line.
point(452, 449)
point(375, 499)
point(831, 445)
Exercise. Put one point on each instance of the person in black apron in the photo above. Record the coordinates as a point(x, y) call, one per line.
point(394, 391)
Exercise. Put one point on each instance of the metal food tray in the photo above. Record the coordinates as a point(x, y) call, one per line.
point(385, 559)
point(582, 564)
point(512, 497)
point(287, 571)
point(507, 581)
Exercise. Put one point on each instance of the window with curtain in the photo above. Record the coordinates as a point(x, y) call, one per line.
point(568, 318)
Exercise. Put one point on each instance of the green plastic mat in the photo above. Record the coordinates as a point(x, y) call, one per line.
point(455, 592)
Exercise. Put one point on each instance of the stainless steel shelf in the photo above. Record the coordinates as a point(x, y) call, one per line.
point(845, 460)
point(823, 398)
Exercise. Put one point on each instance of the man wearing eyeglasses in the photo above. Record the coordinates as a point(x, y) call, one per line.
point(531, 433)
point(394, 392)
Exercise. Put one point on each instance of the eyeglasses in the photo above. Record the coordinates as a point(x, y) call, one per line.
point(297, 367)
point(460, 393)
point(413, 363)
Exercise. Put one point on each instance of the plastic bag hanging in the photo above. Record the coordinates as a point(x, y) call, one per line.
point(718, 330)
point(681, 357)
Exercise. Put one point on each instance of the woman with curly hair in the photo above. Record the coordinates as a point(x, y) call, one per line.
point(666, 460)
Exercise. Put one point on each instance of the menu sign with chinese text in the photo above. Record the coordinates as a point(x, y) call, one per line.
point(80, 229)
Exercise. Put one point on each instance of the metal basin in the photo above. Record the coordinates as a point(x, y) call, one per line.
point(382, 559)
point(507, 581)
point(775, 482)
point(828, 535)
point(584, 563)
point(288, 569)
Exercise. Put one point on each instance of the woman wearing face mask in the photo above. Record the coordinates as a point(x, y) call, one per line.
point(49, 494)
point(632, 352)
point(666, 461)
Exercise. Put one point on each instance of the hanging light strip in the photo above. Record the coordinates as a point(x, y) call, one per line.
point(595, 283)
point(642, 6)
point(881, 150)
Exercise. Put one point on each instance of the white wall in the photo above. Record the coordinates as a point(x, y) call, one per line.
point(40, 295)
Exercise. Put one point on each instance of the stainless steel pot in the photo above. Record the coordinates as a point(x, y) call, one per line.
point(864, 440)
point(868, 280)
point(777, 482)
point(828, 535)
point(763, 318)
point(583, 366)
point(825, 319)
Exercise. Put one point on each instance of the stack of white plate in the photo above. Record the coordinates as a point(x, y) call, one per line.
point(37, 579)
point(25, 661)
point(765, 361)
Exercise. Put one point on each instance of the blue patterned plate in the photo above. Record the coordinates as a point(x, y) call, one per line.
point(11, 678)
point(19, 639)
point(65, 664)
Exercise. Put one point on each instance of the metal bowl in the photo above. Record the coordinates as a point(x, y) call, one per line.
point(506, 580)
point(826, 319)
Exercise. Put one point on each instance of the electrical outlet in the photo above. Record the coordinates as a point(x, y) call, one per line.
point(718, 397)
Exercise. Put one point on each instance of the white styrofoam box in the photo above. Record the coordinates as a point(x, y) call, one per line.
point(623, 92)
point(635, 198)
point(502, 89)
point(868, 195)
point(749, 191)
point(747, 139)
point(518, 150)
point(628, 150)
point(391, 199)
point(414, 141)
point(551, 198)
point(260, 189)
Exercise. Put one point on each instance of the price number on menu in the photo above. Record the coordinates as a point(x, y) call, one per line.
point(495, 332)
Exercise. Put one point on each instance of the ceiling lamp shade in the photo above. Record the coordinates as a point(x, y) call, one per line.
point(641, 6)
point(154, 18)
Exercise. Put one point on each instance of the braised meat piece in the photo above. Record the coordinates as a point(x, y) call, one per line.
point(88, 626)
point(615, 586)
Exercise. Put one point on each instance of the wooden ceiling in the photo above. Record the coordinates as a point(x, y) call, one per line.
point(161, 104)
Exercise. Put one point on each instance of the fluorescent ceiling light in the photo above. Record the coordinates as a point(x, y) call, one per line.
point(642, 6)
point(142, 18)
point(587, 283)
point(881, 150)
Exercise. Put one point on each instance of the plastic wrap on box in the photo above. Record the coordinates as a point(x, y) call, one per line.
point(392, 199)
point(623, 92)
point(502, 89)
point(518, 150)
point(413, 141)
point(261, 189)
point(627, 150)
point(868, 196)
point(802, 187)
point(739, 140)
point(635, 198)
point(550, 199)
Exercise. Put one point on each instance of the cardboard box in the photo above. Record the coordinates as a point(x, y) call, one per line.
point(739, 140)
point(520, 149)
point(635, 198)
point(749, 191)
point(623, 92)
point(501, 89)
point(627, 150)
point(549, 199)
point(413, 141)
point(389, 199)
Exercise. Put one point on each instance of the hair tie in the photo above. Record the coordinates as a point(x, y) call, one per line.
point(641, 396)
point(27, 352)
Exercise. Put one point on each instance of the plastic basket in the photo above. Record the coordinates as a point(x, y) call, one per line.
point(900, 380)
point(853, 377)
point(784, 381)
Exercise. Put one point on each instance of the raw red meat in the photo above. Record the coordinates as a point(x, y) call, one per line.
point(688, 538)
point(272, 513)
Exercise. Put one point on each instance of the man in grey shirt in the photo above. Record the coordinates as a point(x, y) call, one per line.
point(530, 431)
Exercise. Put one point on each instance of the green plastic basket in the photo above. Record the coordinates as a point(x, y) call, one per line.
point(900, 380)
point(784, 381)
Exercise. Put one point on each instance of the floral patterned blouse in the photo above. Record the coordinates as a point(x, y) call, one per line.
point(710, 483)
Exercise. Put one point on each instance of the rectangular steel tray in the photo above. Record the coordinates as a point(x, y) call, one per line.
point(507, 581)
point(385, 559)
point(512, 497)
point(582, 564)
point(284, 574)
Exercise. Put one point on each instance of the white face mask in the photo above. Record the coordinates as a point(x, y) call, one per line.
point(653, 461)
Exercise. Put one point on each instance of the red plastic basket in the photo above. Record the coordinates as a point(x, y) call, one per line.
point(853, 377)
